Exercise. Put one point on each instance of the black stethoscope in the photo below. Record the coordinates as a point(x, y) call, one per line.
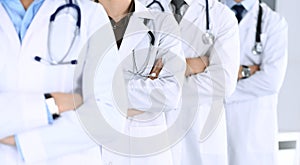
point(158, 3)
point(61, 61)
point(207, 38)
point(258, 47)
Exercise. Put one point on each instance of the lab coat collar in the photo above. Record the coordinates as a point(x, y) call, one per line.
point(8, 26)
point(251, 16)
point(46, 8)
point(194, 11)
point(136, 30)
point(141, 11)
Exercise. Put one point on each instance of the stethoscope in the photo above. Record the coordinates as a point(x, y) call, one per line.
point(258, 47)
point(158, 3)
point(208, 38)
point(135, 71)
point(53, 61)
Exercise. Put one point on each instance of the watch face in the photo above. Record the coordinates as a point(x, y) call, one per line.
point(246, 72)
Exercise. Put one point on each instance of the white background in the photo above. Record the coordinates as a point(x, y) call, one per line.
point(289, 97)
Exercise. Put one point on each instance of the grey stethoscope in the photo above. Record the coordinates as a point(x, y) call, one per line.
point(52, 61)
point(207, 38)
point(135, 71)
point(258, 47)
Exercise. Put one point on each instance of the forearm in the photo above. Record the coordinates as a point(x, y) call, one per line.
point(196, 65)
point(8, 141)
point(219, 78)
point(247, 71)
point(262, 83)
point(161, 94)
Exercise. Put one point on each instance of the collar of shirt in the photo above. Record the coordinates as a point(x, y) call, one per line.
point(248, 4)
point(20, 17)
point(190, 2)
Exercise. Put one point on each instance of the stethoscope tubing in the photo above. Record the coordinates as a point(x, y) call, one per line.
point(70, 4)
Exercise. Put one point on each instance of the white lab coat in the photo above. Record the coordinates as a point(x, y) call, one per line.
point(23, 83)
point(168, 47)
point(217, 82)
point(251, 110)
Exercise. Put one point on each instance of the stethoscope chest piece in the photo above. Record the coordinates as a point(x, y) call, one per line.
point(257, 48)
point(208, 38)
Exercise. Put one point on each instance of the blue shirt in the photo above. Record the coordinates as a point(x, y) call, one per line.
point(20, 17)
point(248, 4)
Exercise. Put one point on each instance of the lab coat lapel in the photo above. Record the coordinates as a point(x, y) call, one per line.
point(249, 19)
point(41, 19)
point(8, 27)
point(191, 15)
point(136, 30)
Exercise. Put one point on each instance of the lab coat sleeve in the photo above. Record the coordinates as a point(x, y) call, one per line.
point(218, 81)
point(21, 112)
point(64, 136)
point(269, 79)
point(163, 93)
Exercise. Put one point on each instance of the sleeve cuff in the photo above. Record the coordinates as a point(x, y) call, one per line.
point(49, 115)
point(19, 147)
point(30, 146)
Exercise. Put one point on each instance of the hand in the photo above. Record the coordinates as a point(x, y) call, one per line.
point(133, 112)
point(253, 69)
point(196, 65)
point(8, 141)
point(158, 65)
point(66, 102)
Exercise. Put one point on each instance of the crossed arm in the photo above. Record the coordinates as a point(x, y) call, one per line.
point(64, 101)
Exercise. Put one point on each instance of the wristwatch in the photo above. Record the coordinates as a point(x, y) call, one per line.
point(51, 105)
point(246, 72)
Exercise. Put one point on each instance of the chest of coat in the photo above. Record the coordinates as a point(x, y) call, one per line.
point(19, 69)
point(248, 40)
point(193, 28)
